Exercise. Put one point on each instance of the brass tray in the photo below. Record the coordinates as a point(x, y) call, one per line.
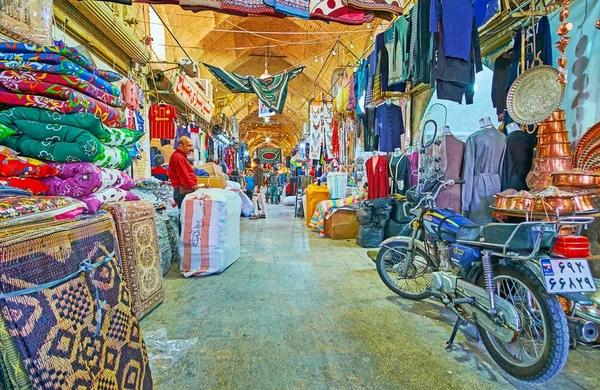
point(535, 95)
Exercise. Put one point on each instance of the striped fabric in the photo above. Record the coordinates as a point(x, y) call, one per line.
point(317, 220)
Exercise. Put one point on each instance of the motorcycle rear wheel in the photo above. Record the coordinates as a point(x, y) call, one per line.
point(390, 260)
point(540, 349)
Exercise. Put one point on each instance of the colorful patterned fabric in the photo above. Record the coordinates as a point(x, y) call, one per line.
point(5, 132)
point(317, 221)
point(34, 186)
point(71, 53)
point(250, 7)
point(6, 192)
point(158, 192)
point(297, 8)
point(62, 67)
point(391, 6)
point(117, 157)
point(75, 328)
point(81, 179)
point(138, 243)
point(63, 99)
point(23, 208)
point(20, 166)
point(335, 11)
point(74, 82)
point(99, 199)
point(164, 243)
point(271, 91)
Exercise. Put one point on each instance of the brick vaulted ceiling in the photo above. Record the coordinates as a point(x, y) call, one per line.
point(241, 45)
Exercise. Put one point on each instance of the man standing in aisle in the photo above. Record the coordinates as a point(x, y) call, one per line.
point(181, 173)
point(259, 191)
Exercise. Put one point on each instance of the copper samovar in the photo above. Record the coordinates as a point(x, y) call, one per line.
point(552, 152)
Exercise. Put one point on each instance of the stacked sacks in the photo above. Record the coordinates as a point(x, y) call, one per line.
point(24, 172)
point(60, 137)
point(372, 216)
point(60, 79)
point(93, 185)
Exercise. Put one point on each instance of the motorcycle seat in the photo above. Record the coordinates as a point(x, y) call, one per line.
point(494, 234)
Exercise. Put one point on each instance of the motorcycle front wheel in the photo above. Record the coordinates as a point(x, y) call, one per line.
point(539, 350)
point(391, 261)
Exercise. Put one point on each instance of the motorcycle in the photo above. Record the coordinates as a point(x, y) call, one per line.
point(503, 278)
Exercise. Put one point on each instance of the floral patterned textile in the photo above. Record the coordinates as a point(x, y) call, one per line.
point(334, 10)
point(158, 192)
point(6, 192)
point(298, 8)
point(24, 167)
point(22, 208)
point(96, 200)
point(34, 186)
point(254, 7)
point(71, 53)
point(59, 65)
point(77, 328)
point(58, 98)
point(82, 179)
point(138, 243)
point(74, 82)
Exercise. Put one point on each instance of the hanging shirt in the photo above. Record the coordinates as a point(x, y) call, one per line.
point(396, 43)
point(389, 126)
point(129, 93)
point(457, 17)
point(162, 121)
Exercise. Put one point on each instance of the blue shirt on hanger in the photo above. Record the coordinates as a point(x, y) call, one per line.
point(457, 20)
point(389, 126)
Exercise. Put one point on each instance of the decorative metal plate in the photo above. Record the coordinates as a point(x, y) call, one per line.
point(591, 134)
point(535, 95)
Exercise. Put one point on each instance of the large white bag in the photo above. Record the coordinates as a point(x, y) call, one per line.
point(210, 234)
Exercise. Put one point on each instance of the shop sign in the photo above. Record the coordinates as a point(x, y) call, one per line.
point(263, 110)
point(193, 96)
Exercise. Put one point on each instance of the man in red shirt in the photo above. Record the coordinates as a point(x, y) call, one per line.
point(181, 173)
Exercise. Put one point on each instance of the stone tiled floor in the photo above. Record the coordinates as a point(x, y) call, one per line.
point(298, 311)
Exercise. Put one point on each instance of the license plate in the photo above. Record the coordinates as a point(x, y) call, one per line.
point(567, 275)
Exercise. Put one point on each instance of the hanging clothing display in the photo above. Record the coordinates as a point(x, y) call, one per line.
point(399, 171)
point(517, 160)
point(420, 45)
point(162, 121)
point(272, 91)
point(371, 140)
point(389, 126)
point(451, 197)
point(501, 70)
point(483, 158)
point(396, 44)
point(336, 11)
point(454, 77)
point(316, 129)
point(328, 130)
point(377, 177)
point(456, 17)
point(414, 168)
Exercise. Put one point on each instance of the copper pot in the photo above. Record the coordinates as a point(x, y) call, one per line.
point(552, 164)
point(501, 200)
point(575, 179)
point(520, 203)
point(554, 123)
point(551, 138)
point(558, 149)
point(583, 203)
point(552, 204)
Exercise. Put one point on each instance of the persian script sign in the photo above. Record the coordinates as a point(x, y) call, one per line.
point(193, 96)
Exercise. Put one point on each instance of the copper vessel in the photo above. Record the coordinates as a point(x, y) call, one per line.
point(553, 164)
point(558, 149)
point(554, 204)
point(553, 124)
point(502, 199)
point(550, 138)
point(578, 178)
point(520, 203)
point(583, 203)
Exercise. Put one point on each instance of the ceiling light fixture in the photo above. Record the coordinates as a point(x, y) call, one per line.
point(333, 52)
point(351, 45)
point(368, 25)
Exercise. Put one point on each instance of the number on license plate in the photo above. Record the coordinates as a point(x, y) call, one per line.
point(567, 275)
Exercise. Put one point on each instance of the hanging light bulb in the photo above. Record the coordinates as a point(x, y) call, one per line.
point(371, 37)
point(351, 45)
point(317, 59)
point(268, 139)
point(333, 52)
point(368, 25)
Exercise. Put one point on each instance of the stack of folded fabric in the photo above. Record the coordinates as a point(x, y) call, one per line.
point(93, 185)
point(60, 137)
point(23, 172)
point(60, 79)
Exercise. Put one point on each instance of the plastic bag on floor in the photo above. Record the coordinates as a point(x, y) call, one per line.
point(163, 353)
point(369, 237)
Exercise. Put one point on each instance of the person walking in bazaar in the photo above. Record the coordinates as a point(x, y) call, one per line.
point(274, 186)
point(259, 191)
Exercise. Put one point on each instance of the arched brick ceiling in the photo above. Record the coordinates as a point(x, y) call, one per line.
point(202, 36)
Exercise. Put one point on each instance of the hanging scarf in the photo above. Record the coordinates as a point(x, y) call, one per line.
point(316, 129)
point(272, 91)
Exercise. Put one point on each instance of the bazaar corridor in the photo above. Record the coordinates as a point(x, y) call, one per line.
point(297, 311)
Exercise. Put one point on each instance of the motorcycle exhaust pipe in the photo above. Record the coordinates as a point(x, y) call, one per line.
point(582, 330)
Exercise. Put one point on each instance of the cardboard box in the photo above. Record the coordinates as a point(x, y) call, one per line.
point(341, 225)
point(213, 182)
point(213, 169)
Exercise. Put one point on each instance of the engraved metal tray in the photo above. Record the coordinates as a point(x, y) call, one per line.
point(535, 95)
